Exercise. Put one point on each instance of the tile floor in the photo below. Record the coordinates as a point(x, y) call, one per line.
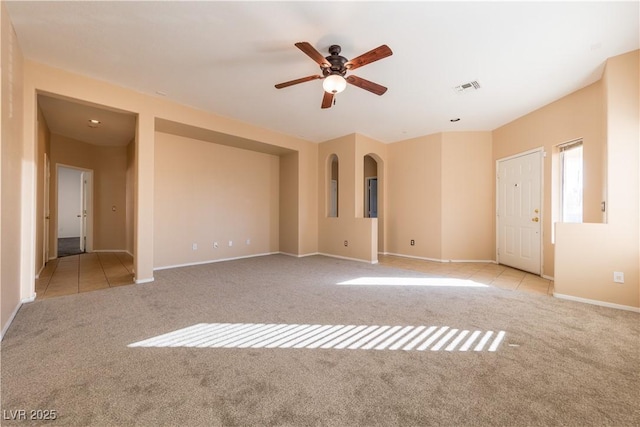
point(85, 272)
point(485, 273)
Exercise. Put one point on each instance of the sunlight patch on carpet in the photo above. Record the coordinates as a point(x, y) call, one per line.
point(413, 281)
point(351, 337)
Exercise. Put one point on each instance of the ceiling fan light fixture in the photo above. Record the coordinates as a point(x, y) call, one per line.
point(334, 83)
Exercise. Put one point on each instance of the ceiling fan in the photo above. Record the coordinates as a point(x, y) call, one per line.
point(334, 68)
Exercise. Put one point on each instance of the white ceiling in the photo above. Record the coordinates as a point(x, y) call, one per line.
point(225, 57)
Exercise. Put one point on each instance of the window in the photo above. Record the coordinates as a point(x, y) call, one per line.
point(571, 173)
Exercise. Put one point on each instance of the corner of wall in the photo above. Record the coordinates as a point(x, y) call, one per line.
point(14, 267)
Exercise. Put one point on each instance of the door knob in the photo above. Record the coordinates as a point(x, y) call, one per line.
point(535, 219)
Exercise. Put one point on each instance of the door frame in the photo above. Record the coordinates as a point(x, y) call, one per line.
point(47, 210)
point(543, 154)
point(88, 220)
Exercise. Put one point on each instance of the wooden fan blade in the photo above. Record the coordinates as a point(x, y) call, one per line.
point(366, 85)
point(367, 58)
point(296, 81)
point(312, 53)
point(327, 100)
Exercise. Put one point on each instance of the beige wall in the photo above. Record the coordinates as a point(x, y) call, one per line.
point(360, 234)
point(109, 165)
point(289, 189)
point(440, 190)
point(588, 254)
point(344, 149)
point(11, 160)
point(467, 205)
point(364, 236)
point(206, 193)
point(332, 232)
point(370, 168)
point(415, 197)
point(39, 77)
point(577, 115)
point(376, 150)
point(307, 198)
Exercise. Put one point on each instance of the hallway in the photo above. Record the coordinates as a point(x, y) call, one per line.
point(83, 273)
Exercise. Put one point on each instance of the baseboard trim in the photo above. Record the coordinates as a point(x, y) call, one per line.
point(347, 258)
point(441, 260)
point(40, 271)
point(6, 327)
point(110, 250)
point(32, 298)
point(141, 281)
point(298, 255)
point(412, 257)
point(189, 264)
point(328, 255)
point(544, 276)
point(597, 302)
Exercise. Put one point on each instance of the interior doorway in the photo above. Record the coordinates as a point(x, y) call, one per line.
point(519, 212)
point(74, 210)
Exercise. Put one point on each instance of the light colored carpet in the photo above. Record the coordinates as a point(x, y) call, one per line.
point(560, 363)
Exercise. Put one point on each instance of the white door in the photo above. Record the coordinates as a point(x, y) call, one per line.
point(86, 237)
point(519, 208)
point(83, 212)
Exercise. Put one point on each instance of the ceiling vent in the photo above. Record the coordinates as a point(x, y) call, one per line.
point(467, 87)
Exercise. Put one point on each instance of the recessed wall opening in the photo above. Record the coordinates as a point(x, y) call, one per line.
point(333, 186)
point(85, 192)
point(370, 187)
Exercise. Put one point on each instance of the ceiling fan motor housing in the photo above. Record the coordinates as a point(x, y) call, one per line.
point(334, 68)
point(338, 63)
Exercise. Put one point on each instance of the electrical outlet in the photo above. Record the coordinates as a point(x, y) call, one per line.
point(248, 241)
point(346, 243)
point(194, 246)
point(215, 245)
point(230, 243)
point(618, 276)
point(413, 242)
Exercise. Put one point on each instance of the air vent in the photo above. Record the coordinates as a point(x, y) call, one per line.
point(467, 87)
